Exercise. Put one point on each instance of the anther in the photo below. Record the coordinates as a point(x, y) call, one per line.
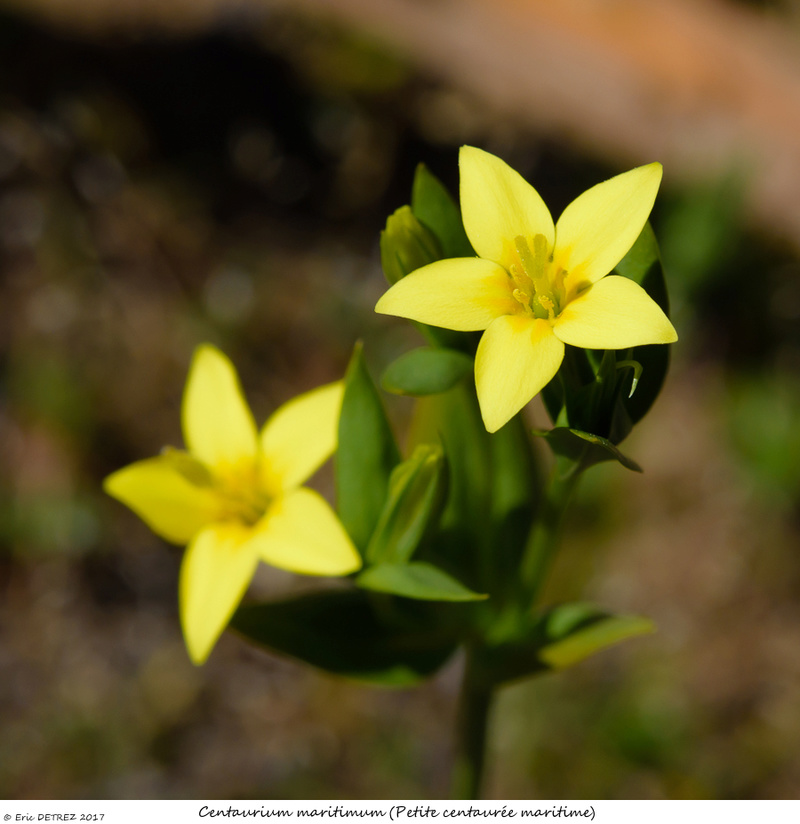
point(546, 302)
point(522, 298)
point(520, 278)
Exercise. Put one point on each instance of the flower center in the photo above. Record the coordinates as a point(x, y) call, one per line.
point(538, 283)
point(241, 496)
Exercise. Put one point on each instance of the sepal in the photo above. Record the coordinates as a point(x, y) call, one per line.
point(406, 245)
point(434, 207)
point(584, 449)
point(428, 230)
point(186, 465)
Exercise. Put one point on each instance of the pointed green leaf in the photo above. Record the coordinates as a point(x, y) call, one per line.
point(584, 448)
point(406, 245)
point(426, 371)
point(559, 638)
point(465, 531)
point(416, 580)
point(595, 631)
point(416, 497)
point(515, 491)
point(436, 209)
point(340, 631)
point(366, 454)
point(493, 486)
point(643, 265)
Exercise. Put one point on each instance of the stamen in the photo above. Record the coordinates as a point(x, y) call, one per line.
point(534, 276)
point(520, 278)
point(523, 298)
point(547, 303)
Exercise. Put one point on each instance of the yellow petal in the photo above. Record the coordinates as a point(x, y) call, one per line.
point(465, 294)
point(516, 358)
point(217, 423)
point(498, 204)
point(300, 436)
point(598, 228)
point(215, 573)
point(301, 533)
point(164, 498)
point(614, 313)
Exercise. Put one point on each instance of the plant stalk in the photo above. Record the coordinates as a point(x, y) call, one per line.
point(474, 705)
point(544, 537)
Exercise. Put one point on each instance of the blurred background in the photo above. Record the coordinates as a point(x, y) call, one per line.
point(179, 171)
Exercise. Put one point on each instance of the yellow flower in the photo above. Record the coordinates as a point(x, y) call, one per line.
point(236, 497)
point(536, 286)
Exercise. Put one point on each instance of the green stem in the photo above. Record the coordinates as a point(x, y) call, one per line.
point(545, 533)
point(474, 704)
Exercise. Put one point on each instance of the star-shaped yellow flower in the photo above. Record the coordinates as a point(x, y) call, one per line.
point(236, 497)
point(536, 285)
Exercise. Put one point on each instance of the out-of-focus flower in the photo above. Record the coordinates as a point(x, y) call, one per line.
point(536, 285)
point(235, 497)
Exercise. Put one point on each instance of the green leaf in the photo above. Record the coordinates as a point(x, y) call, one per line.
point(432, 204)
point(492, 493)
point(340, 631)
point(428, 230)
point(366, 454)
point(584, 448)
point(642, 264)
point(465, 529)
point(553, 399)
point(426, 371)
point(416, 580)
point(416, 497)
point(559, 638)
point(515, 490)
point(406, 245)
point(580, 631)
